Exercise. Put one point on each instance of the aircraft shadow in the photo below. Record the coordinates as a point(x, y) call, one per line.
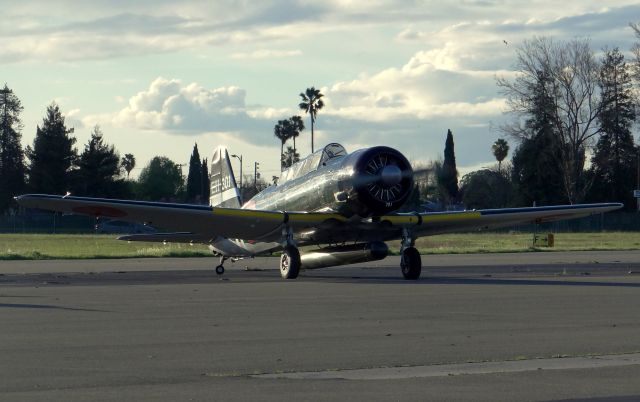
point(46, 306)
point(446, 280)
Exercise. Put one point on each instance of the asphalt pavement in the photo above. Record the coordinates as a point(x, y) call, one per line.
point(533, 326)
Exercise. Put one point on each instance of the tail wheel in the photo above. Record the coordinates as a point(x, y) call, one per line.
point(290, 263)
point(411, 263)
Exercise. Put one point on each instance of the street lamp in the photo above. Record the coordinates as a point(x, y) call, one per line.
point(240, 159)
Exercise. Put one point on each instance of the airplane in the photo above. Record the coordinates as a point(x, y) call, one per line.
point(340, 207)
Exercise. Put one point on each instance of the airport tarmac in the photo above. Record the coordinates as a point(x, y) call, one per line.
point(532, 326)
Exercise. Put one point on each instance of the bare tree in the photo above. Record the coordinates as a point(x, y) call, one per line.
point(635, 64)
point(569, 74)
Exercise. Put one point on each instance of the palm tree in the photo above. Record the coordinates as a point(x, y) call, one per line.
point(282, 131)
point(296, 125)
point(311, 103)
point(128, 162)
point(500, 150)
point(290, 157)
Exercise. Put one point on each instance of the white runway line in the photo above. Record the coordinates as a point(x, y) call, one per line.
point(443, 370)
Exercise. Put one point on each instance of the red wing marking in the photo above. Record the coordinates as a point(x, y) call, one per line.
point(100, 211)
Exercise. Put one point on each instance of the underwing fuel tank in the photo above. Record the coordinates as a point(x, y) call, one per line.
point(341, 255)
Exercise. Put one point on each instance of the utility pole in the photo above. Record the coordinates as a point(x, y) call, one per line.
point(256, 175)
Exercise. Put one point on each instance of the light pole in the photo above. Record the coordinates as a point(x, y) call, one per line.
point(255, 175)
point(240, 159)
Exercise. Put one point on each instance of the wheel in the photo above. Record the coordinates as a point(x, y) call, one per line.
point(290, 263)
point(411, 263)
point(219, 270)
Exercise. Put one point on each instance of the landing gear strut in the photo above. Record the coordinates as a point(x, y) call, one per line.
point(220, 267)
point(410, 261)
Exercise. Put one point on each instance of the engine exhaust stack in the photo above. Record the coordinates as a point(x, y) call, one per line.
point(341, 255)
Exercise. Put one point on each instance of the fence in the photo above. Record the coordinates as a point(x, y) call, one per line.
point(43, 222)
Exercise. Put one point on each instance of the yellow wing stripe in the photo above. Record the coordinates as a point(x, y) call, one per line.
point(458, 216)
point(247, 213)
point(311, 217)
point(274, 215)
point(435, 218)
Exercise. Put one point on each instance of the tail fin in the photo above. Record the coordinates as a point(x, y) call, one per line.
point(224, 191)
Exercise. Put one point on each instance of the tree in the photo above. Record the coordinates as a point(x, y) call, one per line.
point(160, 180)
point(500, 150)
point(289, 157)
point(194, 179)
point(281, 132)
point(537, 162)
point(206, 182)
point(52, 156)
point(296, 125)
point(12, 168)
point(311, 103)
point(636, 53)
point(98, 173)
point(448, 176)
point(535, 173)
point(485, 189)
point(614, 162)
point(128, 163)
point(570, 73)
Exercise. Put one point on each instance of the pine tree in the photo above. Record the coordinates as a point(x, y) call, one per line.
point(537, 173)
point(52, 156)
point(448, 177)
point(206, 182)
point(12, 168)
point(194, 179)
point(614, 160)
point(98, 171)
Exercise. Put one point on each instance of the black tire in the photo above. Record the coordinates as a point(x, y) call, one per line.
point(411, 264)
point(290, 263)
point(219, 270)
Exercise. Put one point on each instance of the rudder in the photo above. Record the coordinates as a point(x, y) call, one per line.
point(224, 190)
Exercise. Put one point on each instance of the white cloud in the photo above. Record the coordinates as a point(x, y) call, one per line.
point(267, 54)
point(169, 105)
point(432, 84)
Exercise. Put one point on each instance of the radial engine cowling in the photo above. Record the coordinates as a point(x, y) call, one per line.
point(382, 181)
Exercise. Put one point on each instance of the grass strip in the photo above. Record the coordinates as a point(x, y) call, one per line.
point(47, 246)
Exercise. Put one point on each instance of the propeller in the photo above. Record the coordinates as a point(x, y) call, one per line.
point(383, 178)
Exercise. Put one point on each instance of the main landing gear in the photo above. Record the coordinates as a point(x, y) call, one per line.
point(290, 260)
point(410, 261)
point(220, 267)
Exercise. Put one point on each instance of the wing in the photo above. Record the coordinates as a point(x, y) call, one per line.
point(205, 224)
point(427, 224)
point(192, 223)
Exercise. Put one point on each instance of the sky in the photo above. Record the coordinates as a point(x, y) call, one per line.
point(160, 76)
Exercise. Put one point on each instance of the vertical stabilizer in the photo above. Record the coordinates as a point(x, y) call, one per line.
point(224, 191)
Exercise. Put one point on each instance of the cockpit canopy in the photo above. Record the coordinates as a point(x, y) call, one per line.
point(312, 162)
